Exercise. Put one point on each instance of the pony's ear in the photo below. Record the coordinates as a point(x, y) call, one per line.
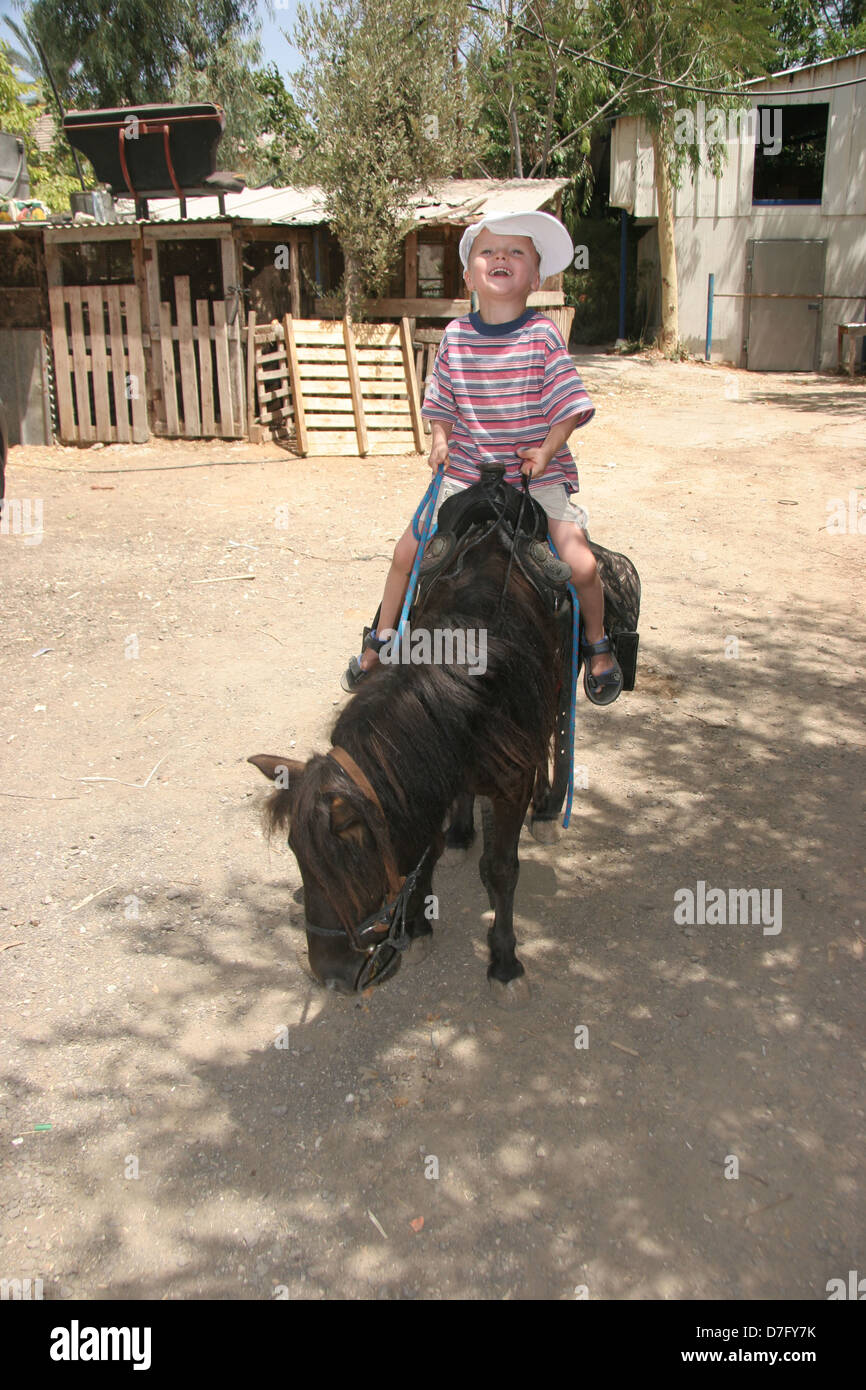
point(345, 821)
point(283, 771)
point(285, 774)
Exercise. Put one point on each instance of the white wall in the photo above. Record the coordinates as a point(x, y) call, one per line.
point(715, 218)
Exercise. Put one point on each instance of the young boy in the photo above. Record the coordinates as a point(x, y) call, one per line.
point(504, 389)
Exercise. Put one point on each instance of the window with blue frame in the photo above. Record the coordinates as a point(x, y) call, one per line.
point(790, 149)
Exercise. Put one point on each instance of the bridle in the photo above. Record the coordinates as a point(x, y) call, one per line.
point(390, 917)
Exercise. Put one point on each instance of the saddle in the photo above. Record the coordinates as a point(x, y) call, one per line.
point(475, 511)
point(518, 521)
point(523, 526)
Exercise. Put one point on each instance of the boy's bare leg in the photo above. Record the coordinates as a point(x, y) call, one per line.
point(395, 590)
point(573, 548)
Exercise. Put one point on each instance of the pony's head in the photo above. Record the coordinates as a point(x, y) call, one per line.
point(334, 835)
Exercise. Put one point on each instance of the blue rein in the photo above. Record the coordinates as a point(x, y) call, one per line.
point(422, 531)
point(575, 648)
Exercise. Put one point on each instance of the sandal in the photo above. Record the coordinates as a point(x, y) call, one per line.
point(606, 687)
point(354, 674)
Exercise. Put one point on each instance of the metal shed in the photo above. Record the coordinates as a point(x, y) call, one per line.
point(787, 248)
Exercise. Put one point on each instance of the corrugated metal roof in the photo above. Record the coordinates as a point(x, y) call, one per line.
point(298, 207)
point(806, 68)
point(453, 200)
point(461, 200)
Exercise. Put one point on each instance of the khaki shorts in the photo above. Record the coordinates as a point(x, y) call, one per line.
point(559, 504)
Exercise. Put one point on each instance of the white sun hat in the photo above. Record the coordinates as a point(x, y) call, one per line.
point(549, 237)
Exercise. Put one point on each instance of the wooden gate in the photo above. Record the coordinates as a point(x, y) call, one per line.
point(99, 364)
point(200, 367)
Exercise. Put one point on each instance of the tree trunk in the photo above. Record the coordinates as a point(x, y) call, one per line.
point(455, 68)
point(353, 292)
point(548, 124)
point(514, 129)
point(669, 335)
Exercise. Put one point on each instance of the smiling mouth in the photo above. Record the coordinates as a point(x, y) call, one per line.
point(500, 270)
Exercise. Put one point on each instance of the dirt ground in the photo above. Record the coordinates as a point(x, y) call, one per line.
point(151, 941)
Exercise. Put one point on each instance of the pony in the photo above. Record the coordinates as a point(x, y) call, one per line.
point(417, 742)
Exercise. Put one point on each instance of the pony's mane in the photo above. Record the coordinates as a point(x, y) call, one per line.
point(422, 733)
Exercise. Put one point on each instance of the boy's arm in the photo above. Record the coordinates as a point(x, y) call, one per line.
point(441, 433)
point(536, 459)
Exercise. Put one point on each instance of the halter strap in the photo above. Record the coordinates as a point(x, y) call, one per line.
point(362, 781)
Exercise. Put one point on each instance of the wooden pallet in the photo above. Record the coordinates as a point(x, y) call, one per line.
point(269, 395)
point(99, 364)
point(349, 389)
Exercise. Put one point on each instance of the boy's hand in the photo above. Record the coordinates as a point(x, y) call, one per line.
point(535, 460)
point(439, 455)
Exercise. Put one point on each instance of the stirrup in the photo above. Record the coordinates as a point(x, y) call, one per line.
point(354, 673)
point(607, 687)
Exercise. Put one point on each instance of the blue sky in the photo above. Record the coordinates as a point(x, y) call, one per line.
point(276, 48)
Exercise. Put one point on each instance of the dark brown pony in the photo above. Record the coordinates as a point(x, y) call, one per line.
point(429, 738)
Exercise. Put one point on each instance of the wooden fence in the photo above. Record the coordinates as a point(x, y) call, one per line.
point(330, 387)
point(99, 364)
point(201, 366)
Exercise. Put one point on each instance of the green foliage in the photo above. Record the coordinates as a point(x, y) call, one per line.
point(388, 100)
point(53, 176)
point(805, 32)
point(695, 42)
point(284, 128)
point(52, 173)
point(222, 74)
point(23, 55)
point(538, 105)
point(11, 93)
point(128, 52)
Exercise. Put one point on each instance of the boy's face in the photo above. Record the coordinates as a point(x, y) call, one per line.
point(502, 268)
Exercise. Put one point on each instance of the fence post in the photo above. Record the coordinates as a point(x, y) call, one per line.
point(710, 284)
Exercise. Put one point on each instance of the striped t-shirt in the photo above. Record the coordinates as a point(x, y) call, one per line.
point(503, 385)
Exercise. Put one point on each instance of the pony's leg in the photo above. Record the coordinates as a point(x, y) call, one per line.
point(542, 828)
point(461, 831)
point(500, 869)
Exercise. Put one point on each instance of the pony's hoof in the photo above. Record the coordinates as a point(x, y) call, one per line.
point(546, 832)
point(516, 994)
point(421, 948)
point(452, 856)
